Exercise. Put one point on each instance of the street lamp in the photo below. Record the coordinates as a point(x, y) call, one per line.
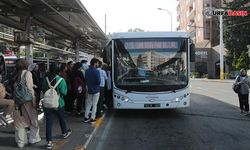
point(170, 15)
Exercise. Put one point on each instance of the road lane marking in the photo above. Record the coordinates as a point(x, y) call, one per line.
point(105, 132)
point(213, 92)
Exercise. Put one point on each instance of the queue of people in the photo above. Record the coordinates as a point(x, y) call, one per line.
point(95, 83)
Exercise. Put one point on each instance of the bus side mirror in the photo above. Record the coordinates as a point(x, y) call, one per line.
point(192, 53)
point(106, 53)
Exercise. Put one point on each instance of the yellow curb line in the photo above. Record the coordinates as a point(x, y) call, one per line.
point(97, 124)
point(59, 144)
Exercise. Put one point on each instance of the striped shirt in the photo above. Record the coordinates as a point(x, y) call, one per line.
point(103, 77)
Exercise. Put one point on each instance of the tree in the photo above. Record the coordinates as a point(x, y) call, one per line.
point(136, 30)
point(236, 33)
point(242, 62)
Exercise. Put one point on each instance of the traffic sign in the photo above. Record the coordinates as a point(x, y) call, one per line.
point(40, 34)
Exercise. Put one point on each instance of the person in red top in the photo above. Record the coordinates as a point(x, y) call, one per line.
point(64, 75)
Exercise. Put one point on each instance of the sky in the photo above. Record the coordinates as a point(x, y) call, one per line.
point(122, 15)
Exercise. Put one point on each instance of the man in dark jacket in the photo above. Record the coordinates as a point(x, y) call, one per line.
point(92, 77)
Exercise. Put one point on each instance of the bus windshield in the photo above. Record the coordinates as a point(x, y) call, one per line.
point(151, 65)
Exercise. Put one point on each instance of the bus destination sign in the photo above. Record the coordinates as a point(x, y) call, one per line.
point(146, 45)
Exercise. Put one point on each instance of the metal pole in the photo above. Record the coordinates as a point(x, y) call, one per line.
point(105, 24)
point(77, 50)
point(221, 50)
point(48, 61)
point(170, 15)
point(44, 44)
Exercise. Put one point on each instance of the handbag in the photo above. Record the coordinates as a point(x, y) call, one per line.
point(236, 87)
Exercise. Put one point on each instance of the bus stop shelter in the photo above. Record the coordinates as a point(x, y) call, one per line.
point(66, 24)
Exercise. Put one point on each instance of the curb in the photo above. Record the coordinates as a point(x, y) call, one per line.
point(94, 132)
point(222, 81)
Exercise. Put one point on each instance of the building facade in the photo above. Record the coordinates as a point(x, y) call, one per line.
point(205, 35)
point(207, 61)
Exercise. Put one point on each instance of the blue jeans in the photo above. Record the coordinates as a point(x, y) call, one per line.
point(50, 118)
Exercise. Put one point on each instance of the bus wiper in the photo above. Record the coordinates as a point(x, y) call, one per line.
point(140, 87)
point(166, 86)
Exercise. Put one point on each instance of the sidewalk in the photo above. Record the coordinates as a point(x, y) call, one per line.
point(212, 80)
point(80, 138)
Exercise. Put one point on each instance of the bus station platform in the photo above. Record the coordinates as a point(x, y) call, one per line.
point(82, 134)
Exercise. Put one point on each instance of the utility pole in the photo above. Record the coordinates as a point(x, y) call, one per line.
point(221, 50)
point(105, 24)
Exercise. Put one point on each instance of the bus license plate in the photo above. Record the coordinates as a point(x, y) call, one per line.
point(152, 105)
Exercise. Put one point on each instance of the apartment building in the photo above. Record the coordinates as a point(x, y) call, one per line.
point(203, 31)
point(205, 34)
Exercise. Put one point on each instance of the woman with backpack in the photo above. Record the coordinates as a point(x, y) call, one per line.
point(78, 86)
point(36, 75)
point(62, 90)
point(25, 115)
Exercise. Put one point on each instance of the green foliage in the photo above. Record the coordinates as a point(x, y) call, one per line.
point(197, 74)
point(242, 62)
point(226, 74)
point(191, 74)
point(236, 33)
point(23, 53)
point(205, 76)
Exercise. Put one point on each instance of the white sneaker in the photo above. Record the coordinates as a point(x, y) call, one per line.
point(2, 122)
point(36, 141)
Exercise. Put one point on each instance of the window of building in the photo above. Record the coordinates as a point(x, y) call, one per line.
point(181, 19)
point(198, 2)
point(201, 67)
point(198, 16)
point(194, 5)
point(199, 32)
point(187, 26)
point(186, 14)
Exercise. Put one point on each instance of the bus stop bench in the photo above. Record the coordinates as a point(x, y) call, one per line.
point(1, 116)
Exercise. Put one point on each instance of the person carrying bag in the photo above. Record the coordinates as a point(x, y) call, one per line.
point(61, 89)
point(244, 82)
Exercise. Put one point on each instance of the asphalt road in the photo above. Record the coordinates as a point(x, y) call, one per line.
point(212, 122)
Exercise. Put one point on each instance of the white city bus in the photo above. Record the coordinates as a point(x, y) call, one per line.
point(150, 70)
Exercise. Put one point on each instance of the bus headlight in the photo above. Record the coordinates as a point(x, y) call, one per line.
point(126, 100)
point(176, 99)
point(118, 97)
point(122, 98)
point(181, 97)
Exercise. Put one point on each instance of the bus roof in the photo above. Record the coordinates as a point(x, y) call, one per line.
point(173, 34)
